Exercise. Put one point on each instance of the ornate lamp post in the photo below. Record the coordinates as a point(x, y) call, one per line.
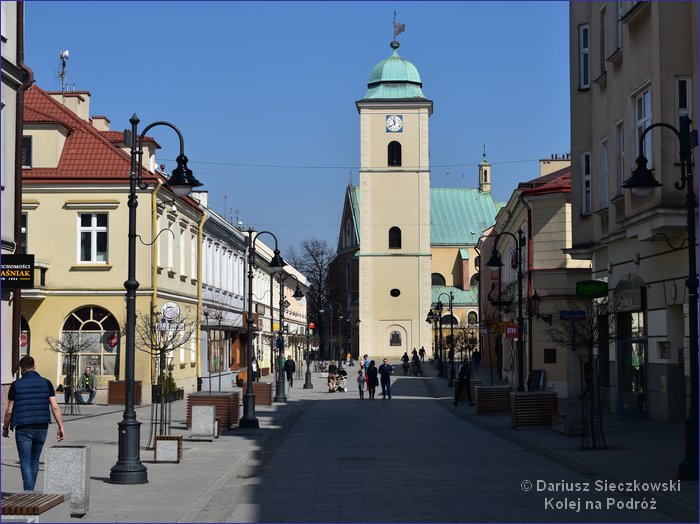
point(309, 327)
point(641, 183)
point(494, 264)
point(249, 420)
point(450, 379)
point(129, 469)
point(432, 318)
point(298, 295)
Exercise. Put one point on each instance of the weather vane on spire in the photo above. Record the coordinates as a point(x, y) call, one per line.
point(398, 27)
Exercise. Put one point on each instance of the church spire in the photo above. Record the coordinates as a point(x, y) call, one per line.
point(484, 174)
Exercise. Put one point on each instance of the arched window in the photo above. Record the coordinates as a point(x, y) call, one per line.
point(437, 279)
point(395, 338)
point(449, 320)
point(394, 238)
point(96, 332)
point(394, 154)
point(474, 281)
point(472, 318)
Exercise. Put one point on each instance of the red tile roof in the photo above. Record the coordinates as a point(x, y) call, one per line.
point(556, 182)
point(87, 157)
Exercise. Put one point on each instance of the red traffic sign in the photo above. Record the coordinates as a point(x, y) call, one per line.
point(23, 340)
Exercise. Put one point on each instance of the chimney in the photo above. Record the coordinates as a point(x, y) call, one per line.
point(76, 101)
point(101, 123)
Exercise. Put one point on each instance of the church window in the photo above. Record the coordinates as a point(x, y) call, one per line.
point(394, 151)
point(474, 281)
point(472, 318)
point(437, 279)
point(394, 238)
point(395, 338)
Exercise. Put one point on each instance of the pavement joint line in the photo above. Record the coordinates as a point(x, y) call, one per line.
point(678, 508)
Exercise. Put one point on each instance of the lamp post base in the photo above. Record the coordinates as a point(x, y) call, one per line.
point(248, 420)
point(279, 391)
point(307, 383)
point(129, 469)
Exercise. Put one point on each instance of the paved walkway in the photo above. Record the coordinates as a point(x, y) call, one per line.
point(415, 458)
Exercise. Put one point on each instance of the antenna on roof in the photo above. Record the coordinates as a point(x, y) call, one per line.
point(63, 55)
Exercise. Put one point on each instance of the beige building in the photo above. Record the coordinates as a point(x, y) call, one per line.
point(76, 186)
point(634, 64)
point(16, 78)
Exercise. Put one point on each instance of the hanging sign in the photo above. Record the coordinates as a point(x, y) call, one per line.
point(18, 271)
point(591, 289)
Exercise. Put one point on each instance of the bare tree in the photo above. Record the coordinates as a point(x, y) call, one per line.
point(312, 259)
point(160, 338)
point(70, 345)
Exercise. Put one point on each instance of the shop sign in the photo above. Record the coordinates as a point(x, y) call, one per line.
point(630, 299)
point(17, 271)
point(591, 289)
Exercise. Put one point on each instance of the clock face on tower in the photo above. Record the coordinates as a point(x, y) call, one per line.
point(394, 123)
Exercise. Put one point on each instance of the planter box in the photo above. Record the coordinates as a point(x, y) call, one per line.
point(264, 372)
point(168, 448)
point(263, 393)
point(492, 399)
point(116, 393)
point(227, 406)
point(178, 394)
point(533, 408)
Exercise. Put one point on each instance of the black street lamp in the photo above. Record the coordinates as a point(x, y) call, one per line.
point(309, 326)
point(641, 183)
point(249, 420)
point(495, 263)
point(450, 379)
point(129, 469)
point(298, 295)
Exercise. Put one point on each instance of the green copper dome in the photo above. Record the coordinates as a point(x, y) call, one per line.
point(394, 78)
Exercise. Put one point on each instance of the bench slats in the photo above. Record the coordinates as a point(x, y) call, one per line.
point(30, 503)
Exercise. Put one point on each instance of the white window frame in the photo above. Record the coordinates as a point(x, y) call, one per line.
point(642, 121)
point(171, 248)
point(619, 157)
point(603, 40)
point(584, 58)
point(603, 196)
point(183, 245)
point(620, 10)
point(586, 183)
point(24, 233)
point(194, 269)
point(30, 138)
point(682, 111)
point(94, 230)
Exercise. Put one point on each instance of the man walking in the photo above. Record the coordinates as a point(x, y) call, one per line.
point(464, 379)
point(289, 368)
point(385, 371)
point(86, 384)
point(31, 400)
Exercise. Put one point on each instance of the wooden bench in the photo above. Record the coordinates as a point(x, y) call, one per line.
point(533, 408)
point(27, 507)
point(492, 399)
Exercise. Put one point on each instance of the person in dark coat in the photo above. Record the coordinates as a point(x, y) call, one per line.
point(31, 400)
point(372, 378)
point(463, 381)
point(385, 371)
point(289, 368)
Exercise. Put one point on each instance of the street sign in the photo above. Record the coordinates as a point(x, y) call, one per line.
point(591, 289)
point(572, 314)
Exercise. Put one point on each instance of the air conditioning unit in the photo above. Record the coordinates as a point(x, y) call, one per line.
point(259, 309)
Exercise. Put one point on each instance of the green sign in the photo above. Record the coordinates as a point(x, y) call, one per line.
point(591, 289)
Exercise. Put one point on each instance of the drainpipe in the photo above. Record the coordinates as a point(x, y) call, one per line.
point(530, 253)
point(19, 131)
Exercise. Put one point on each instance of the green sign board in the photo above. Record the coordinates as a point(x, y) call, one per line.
point(591, 289)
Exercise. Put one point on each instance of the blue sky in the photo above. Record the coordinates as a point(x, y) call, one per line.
point(264, 92)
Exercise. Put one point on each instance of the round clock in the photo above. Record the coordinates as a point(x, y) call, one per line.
point(170, 311)
point(394, 123)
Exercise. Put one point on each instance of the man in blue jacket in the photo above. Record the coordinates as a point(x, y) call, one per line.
point(30, 402)
point(385, 371)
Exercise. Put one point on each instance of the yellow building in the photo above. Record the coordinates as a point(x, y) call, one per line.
point(76, 186)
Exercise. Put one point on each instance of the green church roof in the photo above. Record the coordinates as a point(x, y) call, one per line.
point(394, 78)
point(461, 297)
point(458, 216)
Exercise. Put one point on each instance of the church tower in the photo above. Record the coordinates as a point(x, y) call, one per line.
point(394, 256)
point(484, 174)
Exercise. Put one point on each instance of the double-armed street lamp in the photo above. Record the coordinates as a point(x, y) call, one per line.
point(129, 469)
point(450, 298)
point(494, 264)
point(249, 420)
point(298, 295)
point(642, 182)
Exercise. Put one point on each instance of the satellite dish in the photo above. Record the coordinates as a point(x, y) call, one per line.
point(64, 54)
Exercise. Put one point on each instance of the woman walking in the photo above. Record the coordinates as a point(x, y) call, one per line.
point(372, 379)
